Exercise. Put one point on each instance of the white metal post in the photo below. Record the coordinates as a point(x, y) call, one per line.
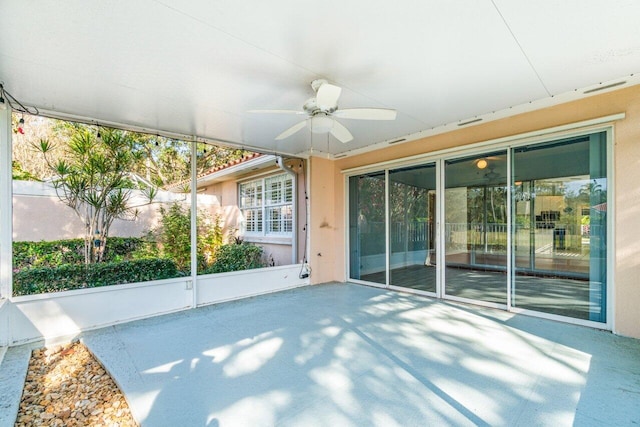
point(510, 222)
point(611, 232)
point(387, 219)
point(440, 235)
point(347, 227)
point(194, 228)
point(6, 228)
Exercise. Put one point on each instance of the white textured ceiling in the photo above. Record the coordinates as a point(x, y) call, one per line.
point(195, 67)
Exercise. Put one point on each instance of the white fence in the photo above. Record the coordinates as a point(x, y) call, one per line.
point(416, 231)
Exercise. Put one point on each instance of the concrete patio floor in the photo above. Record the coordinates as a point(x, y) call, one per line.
point(350, 355)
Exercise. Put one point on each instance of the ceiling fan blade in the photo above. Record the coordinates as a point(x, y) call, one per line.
point(293, 129)
point(276, 112)
point(366, 114)
point(341, 133)
point(327, 96)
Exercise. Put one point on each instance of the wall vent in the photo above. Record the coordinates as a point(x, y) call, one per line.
point(609, 86)
point(468, 122)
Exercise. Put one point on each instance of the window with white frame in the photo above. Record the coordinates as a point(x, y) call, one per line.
point(267, 206)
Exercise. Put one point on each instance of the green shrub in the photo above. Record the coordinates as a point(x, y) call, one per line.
point(76, 276)
point(174, 236)
point(236, 257)
point(70, 251)
point(47, 254)
point(122, 248)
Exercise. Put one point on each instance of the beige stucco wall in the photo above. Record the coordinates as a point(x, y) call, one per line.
point(328, 205)
point(38, 214)
point(326, 225)
point(227, 194)
point(46, 218)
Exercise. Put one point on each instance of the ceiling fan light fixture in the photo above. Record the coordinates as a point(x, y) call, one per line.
point(321, 124)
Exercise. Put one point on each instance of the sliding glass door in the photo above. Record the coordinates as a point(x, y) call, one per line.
point(523, 227)
point(412, 210)
point(560, 227)
point(367, 232)
point(475, 222)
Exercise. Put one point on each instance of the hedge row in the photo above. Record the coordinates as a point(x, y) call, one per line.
point(69, 251)
point(65, 277)
point(236, 257)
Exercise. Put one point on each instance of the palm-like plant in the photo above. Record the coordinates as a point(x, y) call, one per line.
point(93, 178)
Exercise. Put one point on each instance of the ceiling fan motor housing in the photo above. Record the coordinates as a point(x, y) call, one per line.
point(321, 123)
point(311, 107)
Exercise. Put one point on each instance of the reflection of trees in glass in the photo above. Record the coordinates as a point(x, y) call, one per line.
point(593, 196)
point(594, 191)
point(371, 195)
point(487, 205)
point(487, 216)
point(371, 215)
point(409, 213)
point(408, 200)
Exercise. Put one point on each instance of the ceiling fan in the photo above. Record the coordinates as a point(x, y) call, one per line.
point(322, 111)
point(492, 175)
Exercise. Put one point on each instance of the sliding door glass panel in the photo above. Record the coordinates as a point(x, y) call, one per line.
point(412, 207)
point(475, 235)
point(560, 224)
point(367, 252)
